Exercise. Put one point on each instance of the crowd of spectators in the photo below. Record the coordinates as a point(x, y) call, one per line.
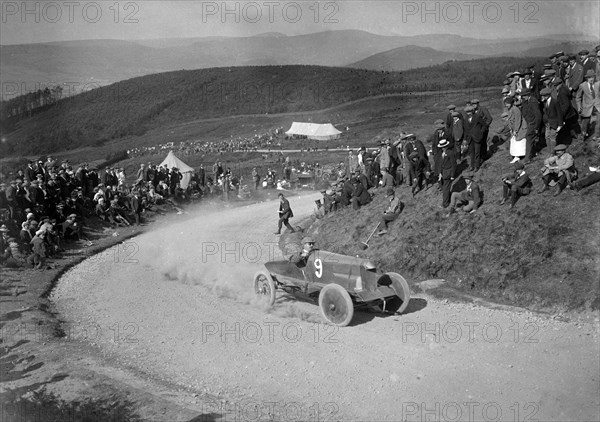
point(269, 140)
point(545, 111)
point(48, 204)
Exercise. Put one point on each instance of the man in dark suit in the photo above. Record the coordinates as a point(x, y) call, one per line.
point(420, 171)
point(30, 171)
point(474, 129)
point(441, 134)
point(575, 75)
point(447, 170)
point(412, 144)
point(532, 114)
point(487, 119)
point(202, 175)
point(360, 195)
point(586, 62)
point(516, 185)
point(549, 118)
point(449, 117)
point(588, 104)
point(470, 197)
point(568, 126)
point(285, 213)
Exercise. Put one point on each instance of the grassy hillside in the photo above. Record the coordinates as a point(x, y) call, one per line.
point(135, 107)
point(544, 254)
point(408, 57)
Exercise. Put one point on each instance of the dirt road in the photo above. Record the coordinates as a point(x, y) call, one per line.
point(173, 311)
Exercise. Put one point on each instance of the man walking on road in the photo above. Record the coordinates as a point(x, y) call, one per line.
point(285, 213)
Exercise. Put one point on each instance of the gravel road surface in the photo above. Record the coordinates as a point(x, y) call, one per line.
point(176, 309)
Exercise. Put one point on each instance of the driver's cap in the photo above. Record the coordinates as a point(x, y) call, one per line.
point(307, 239)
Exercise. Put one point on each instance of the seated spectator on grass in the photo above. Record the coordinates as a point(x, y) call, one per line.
point(516, 185)
point(560, 169)
point(470, 197)
point(39, 250)
point(590, 179)
point(101, 209)
point(387, 181)
point(391, 213)
point(363, 179)
point(360, 195)
point(116, 214)
point(71, 229)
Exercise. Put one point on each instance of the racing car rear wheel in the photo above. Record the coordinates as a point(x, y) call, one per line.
point(265, 286)
point(336, 305)
point(402, 290)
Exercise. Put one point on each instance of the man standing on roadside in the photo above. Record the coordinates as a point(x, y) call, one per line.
point(285, 213)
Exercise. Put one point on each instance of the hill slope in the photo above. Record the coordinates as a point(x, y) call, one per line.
point(544, 254)
point(138, 105)
point(408, 57)
point(102, 62)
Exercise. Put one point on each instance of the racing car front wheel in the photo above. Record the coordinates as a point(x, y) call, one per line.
point(400, 286)
point(265, 286)
point(336, 305)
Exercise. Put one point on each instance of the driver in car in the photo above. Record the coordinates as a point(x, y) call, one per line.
point(301, 258)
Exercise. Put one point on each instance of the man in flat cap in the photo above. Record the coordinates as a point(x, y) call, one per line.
point(420, 171)
point(531, 112)
point(596, 58)
point(470, 197)
point(487, 119)
point(300, 258)
point(550, 118)
point(474, 130)
point(412, 144)
point(559, 169)
point(568, 126)
point(564, 65)
point(391, 213)
point(360, 195)
point(588, 104)
point(449, 117)
point(554, 59)
point(575, 74)
point(585, 60)
point(516, 185)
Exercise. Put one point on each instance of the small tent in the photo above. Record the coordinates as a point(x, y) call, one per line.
point(172, 161)
point(319, 132)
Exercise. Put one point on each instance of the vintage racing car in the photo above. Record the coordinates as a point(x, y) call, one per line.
point(338, 282)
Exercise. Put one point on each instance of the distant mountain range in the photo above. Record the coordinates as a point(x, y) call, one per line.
point(87, 64)
point(409, 57)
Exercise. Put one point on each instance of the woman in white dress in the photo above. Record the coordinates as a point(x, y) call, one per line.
point(518, 129)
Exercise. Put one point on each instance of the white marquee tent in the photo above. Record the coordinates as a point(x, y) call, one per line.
point(172, 161)
point(319, 132)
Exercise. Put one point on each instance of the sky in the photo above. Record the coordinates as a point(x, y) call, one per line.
point(42, 21)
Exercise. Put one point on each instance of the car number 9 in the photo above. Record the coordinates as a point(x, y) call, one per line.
point(319, 267)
